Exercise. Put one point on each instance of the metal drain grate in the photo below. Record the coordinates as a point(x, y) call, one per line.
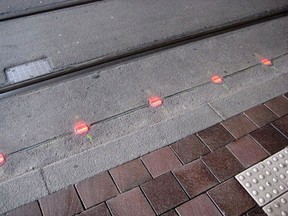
point(28, 71)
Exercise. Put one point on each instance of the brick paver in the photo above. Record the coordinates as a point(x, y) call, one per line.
point(282, 125)
point(278, 105)
point(247, 151)
point(164, 193)
point(223, 164)
point(231, 198)
point(96, 189)
point(158, 183)
point(200, 205)
point(170, 213)
point(215, 137)
point(239, 125)
point(63, 202)
point(130, 203)
point(26, 210)
point(99, 210)
point(130, 175)
point(189, 148)
point(161, 161)
point(261, 115)
point(195, 178)
point(270, 139)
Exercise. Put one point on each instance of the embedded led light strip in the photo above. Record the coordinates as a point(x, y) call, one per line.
point(155, 101)
point(81, 128)
point(2, 159)
point(217, 79)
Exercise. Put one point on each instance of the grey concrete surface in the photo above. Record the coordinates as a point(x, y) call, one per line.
point(50, 112)
point(10, 9)
point(106, 156)
point(107, 131)
point(21, 190)
point(73, 36)
point(181, 75)
point(245, 99)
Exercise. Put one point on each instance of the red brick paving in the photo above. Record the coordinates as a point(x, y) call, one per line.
point(282, 125)
point(231, 198)
point(176, 189)
point(130, 175)
point(189, 148)
point(161, 161)
point(27, 210)
point(239, 125)
point(261, 115)
point(99, 210)
point(200, 205)
point(63, 202)
point(256, 212)
point(164, 193)
point(223, 164)
point(96, 189)
point(130, 203)
point(195, 178)
point(270, 139)
point(215, 137)
point(278, 105)
point(247, 151)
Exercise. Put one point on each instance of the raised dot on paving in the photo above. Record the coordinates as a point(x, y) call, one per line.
point(277, 163)
point(261, 184)
point(278, 207)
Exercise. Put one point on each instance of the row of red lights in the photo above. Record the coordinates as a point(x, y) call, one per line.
point(82, 128)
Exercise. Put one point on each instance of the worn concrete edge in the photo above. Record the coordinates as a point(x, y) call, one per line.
point(22, 190)
point(111, 154)
point(93, 161)
point(242, 100)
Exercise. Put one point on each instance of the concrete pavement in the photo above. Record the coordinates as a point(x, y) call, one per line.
point(124, 127)
point(93, 32)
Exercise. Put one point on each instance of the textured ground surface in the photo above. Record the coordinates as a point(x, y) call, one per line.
point(193, 176)
point(104, 29)
point(36, 127)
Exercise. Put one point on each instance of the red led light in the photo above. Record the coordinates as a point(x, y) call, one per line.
point(2, 159)
point(217, 79)
point(155, 101)
point(81, 128)
point(266, 61)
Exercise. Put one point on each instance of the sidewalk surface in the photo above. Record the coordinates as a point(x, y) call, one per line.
point(193, 176)
point(139, 159)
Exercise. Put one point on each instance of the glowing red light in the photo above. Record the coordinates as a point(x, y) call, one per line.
point(155, 101)
point(2, 159)
point(266, 61)
point(217, 79)
point(81, 128)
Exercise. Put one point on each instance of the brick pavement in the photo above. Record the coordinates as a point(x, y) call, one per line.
point(194, 176)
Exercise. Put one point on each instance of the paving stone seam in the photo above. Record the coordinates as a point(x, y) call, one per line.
point(278, 130)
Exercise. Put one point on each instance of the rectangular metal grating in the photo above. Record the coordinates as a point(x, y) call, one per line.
point(28, 71)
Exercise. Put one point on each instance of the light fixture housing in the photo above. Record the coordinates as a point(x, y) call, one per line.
point(155, 101)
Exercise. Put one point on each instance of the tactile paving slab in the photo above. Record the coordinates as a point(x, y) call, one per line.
point(278, 207)
point(261, 184)
point(278, 164)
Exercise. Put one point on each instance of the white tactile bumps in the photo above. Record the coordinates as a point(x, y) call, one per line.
point(261, 184)
point(278, 164)
point(278, 207)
